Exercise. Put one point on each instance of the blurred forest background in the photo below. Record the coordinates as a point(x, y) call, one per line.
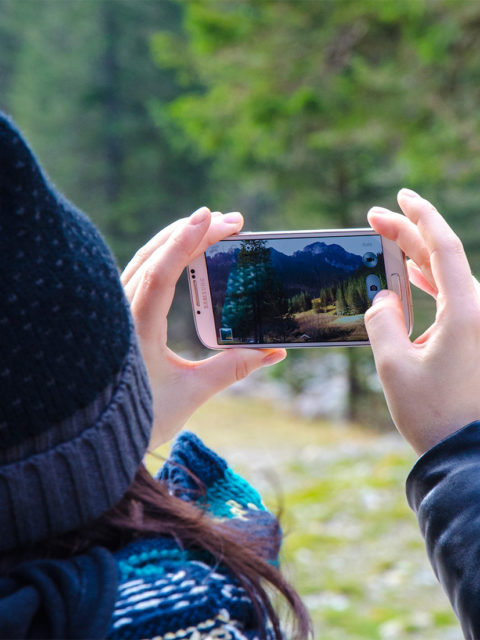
point(300, 114)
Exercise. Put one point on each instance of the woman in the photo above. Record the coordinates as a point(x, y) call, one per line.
point(90, 544)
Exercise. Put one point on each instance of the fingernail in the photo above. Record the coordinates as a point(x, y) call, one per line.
point(199, 216)
point(273, 358)
point(381, 295)
point(232, 218)
point(409, 193)
point(377, 210)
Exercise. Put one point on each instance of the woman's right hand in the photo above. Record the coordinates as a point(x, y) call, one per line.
point(432, 385)
point(179, 386)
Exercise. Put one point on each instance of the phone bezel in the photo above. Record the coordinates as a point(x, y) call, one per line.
point(395, 264)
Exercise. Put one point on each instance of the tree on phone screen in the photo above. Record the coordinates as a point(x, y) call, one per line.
point(256, 305)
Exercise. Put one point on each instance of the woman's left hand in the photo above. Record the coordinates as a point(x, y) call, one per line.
point(180, 386)
point(431, 384)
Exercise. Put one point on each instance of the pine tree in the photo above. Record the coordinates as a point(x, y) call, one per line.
point(255, 302)
point(85, 88)
point(341, 305)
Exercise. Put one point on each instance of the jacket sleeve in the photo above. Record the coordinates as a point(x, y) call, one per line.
point(443, 489)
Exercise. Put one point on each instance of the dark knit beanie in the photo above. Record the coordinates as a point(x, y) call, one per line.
point(75, 405)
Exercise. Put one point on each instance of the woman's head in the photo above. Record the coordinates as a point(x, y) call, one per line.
point(75, 405)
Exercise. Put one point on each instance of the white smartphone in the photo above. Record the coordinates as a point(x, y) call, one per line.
point(294, 288)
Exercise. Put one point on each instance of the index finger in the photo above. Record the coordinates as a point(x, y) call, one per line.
point(152, 296)
point(222, 225)
point(152, 286)
point(449, 263)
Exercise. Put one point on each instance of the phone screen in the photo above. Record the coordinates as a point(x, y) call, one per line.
point(294, 290)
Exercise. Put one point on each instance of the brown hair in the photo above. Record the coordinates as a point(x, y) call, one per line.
point(148, 509)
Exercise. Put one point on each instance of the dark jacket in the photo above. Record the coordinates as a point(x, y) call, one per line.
point(443, 489)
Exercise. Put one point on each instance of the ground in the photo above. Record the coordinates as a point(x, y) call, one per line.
point(352, 546)
point(330, 326)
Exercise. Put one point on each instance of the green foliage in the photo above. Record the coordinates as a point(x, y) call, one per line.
point(337, 103)
point(351, 295)
point(310, 112)
point(83, 85)
point(300, 114)
point(299, 302)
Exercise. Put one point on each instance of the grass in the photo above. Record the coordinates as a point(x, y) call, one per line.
point(352, 547)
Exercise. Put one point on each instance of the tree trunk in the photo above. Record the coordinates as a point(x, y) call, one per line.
point(355, 387)
point(111, 104)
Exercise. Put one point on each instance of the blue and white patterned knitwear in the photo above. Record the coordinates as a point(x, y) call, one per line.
point(169, 593)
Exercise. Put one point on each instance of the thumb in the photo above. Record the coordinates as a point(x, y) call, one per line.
point(229, 366)
point(386, 329)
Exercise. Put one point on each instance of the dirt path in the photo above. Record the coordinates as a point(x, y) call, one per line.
point(331, 326)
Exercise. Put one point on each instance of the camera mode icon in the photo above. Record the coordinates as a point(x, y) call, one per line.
point(369, 259)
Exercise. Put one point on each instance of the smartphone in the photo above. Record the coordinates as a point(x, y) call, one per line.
point(294, 288)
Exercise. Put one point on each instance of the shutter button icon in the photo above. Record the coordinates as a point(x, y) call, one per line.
point(373, 286)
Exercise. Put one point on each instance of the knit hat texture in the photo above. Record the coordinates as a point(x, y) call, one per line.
point(75, 404)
